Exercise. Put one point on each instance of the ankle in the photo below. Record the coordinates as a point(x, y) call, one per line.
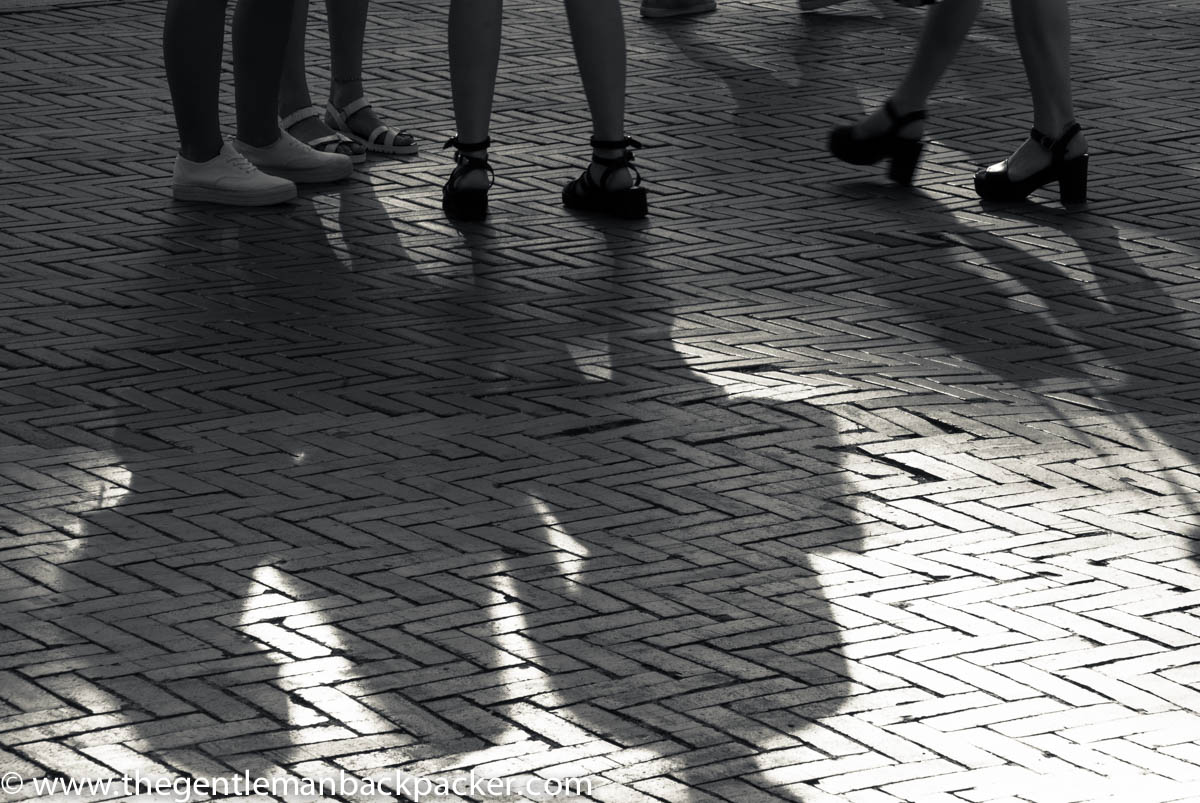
point(903, 105)
point(201, 153)
point(611, 177)
point(344, 92)
point(470, 146)
point(900, 108)
point(1055, 128)
point(881, 122)
point(260, 139)
point(291, 105)
point(1075, 143)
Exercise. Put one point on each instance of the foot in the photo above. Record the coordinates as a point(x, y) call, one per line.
point(610, 185)
point(879, 122)
point(228, 178)
point(357, 119)
point(468, 176)
point(464, 195)
point(1032, 157)
point(619, 178)
point(310, 128)
point(306, 125)
point(290, 158)
point(676, 8)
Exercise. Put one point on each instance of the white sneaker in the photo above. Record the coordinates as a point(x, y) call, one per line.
point(290, 158)
point(228, 178)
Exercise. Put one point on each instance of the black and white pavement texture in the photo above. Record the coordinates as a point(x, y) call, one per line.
point(805, 488)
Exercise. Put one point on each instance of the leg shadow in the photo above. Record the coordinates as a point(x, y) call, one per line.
point(627, 585)
point(175, 575)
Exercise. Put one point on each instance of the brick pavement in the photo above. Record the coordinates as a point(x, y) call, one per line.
point(806, 488)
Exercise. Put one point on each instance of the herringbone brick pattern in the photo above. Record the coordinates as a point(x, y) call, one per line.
point(806, 488)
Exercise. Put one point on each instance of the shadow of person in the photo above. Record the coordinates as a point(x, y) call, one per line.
point(626, 587)
point(421, 519)
point(185, 600)
point(1073, 320)
point(764, 75)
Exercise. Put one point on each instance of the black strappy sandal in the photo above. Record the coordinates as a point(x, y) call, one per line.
point(993, 183)
point(903, 151)
point(588, 194)
point(467, 203)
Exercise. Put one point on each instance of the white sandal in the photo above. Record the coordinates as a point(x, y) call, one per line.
point(330, 143)
point(381, 140)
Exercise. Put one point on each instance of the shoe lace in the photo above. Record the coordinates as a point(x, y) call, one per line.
point(240, 162)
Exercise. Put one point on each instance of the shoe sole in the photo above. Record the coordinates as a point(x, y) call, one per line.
point(395, 150)
point(630, 204)
point(466, 205)
point(209, 195)
point(663, 13)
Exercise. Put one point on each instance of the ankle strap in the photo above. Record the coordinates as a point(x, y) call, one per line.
point(1057, 147)
point(898, 120)
point(454, 142)
point(613, 144)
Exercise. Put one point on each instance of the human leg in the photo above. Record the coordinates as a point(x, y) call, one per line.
point(347, 110)
point(347, 27)
point(609, 183)
point(1043, 31)
point(946, 26)
point(206, 167)
point(260, 38)
point(473, 36)
point(894, 129)
point(261, 29)
point(474, 40)
point(193, 40)
point(297, 115)
point(293, 87)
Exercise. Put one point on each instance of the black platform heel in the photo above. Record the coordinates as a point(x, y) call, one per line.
point(590, 195)
point(904, 152)
point(994, 184)
point(467, 203)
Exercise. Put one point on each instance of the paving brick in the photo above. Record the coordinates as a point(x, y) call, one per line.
point(746, 501)
point(25, 695)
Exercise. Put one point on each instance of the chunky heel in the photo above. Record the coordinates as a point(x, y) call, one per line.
point(905, 157)
point(467, 203)
point(588, 194)
point(1072, 181)
point(995, 184)
point(904, 152)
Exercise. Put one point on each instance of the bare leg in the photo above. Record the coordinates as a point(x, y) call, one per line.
point(193, 40)
point(946, 26)
point(260, 37)
point(474, 37)
point(598, 36)
point(1043, 29)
